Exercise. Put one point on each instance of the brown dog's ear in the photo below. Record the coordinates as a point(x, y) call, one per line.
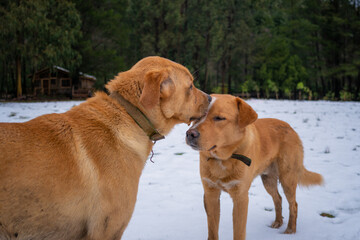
point(167, 88)
point(247, 115)
point(157, 84)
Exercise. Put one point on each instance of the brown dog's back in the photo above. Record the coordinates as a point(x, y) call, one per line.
point(75, 175)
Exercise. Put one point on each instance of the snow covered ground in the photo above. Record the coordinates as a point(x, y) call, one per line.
point(170, 198)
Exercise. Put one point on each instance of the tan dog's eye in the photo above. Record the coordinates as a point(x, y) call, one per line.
point(191, 87)
point(218, 118)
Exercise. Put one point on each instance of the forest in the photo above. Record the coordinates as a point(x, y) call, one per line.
point(283, 49)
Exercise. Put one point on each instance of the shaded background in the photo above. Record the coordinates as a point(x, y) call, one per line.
point(303, 49)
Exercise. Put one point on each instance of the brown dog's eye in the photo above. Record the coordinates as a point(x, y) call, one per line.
point(191, 86)
point(218, 118)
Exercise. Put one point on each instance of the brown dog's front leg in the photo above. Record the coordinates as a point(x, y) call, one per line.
point(212, 208)
point(241, 201)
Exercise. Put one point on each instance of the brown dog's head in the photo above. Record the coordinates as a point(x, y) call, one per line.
point(163, 90)
point(222, 128)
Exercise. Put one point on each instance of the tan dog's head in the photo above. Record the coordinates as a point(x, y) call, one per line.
point(223, 127)
point(163, 90)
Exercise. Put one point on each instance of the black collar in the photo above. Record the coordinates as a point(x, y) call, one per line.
point(244, 159)
point(139, 117)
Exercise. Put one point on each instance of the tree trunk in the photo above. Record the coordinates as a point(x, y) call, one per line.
point(24, 78)
point(337, 54)
point(246, 63)
point(357, 96)
point(33, 82)
point(18, 77)
point(337, 88)
point(229, 91)
point(13, 82)
point(6, 79)
point(3, 78)
point(156, 24)
point(207, 48)
point(228, 65)
point(206, 76)
point(223, 75)
point(183, 29)
point(319, 68)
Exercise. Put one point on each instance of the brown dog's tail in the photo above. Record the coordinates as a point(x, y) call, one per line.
point(308, 178)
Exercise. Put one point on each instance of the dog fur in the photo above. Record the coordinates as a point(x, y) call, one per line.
point(75, 175)
point(231, 126)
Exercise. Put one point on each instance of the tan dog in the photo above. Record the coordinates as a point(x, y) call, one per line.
point(231, 127)
point(75, 175)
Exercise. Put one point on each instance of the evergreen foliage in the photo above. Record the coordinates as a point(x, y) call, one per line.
point(34, 34)
point(304, 49)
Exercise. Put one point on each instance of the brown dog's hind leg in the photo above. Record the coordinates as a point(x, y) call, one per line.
point(270, 184)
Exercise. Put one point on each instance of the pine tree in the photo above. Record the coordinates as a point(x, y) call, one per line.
point(38, 32)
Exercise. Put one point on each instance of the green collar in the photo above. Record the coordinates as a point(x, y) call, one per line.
point(139, 117)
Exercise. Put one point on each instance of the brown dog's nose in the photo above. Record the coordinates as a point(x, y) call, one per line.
point(209, 98)
point(192, 135)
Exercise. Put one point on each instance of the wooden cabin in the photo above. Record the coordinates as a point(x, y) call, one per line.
point(57, 81)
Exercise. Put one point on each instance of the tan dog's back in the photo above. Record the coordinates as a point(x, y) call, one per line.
point(279, 141)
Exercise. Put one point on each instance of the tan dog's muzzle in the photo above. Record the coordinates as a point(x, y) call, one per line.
point(192, 137)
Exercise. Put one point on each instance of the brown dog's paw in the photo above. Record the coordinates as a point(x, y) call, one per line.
point(277, 224)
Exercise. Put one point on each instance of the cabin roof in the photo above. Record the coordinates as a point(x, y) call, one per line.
point(88, 76)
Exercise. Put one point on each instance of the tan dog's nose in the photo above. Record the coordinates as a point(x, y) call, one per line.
point(192, 136)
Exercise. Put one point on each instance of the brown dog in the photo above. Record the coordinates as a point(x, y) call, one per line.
point(231, 127)
point(75, 175)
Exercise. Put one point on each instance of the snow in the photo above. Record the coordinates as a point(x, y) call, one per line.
point(170, 197)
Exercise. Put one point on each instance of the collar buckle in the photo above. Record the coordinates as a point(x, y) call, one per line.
point(156, 136)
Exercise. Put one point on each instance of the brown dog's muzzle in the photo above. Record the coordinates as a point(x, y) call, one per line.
point(203, 107)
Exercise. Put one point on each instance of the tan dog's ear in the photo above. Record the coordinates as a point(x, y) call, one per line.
point(247, 115)
point(157, 84)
